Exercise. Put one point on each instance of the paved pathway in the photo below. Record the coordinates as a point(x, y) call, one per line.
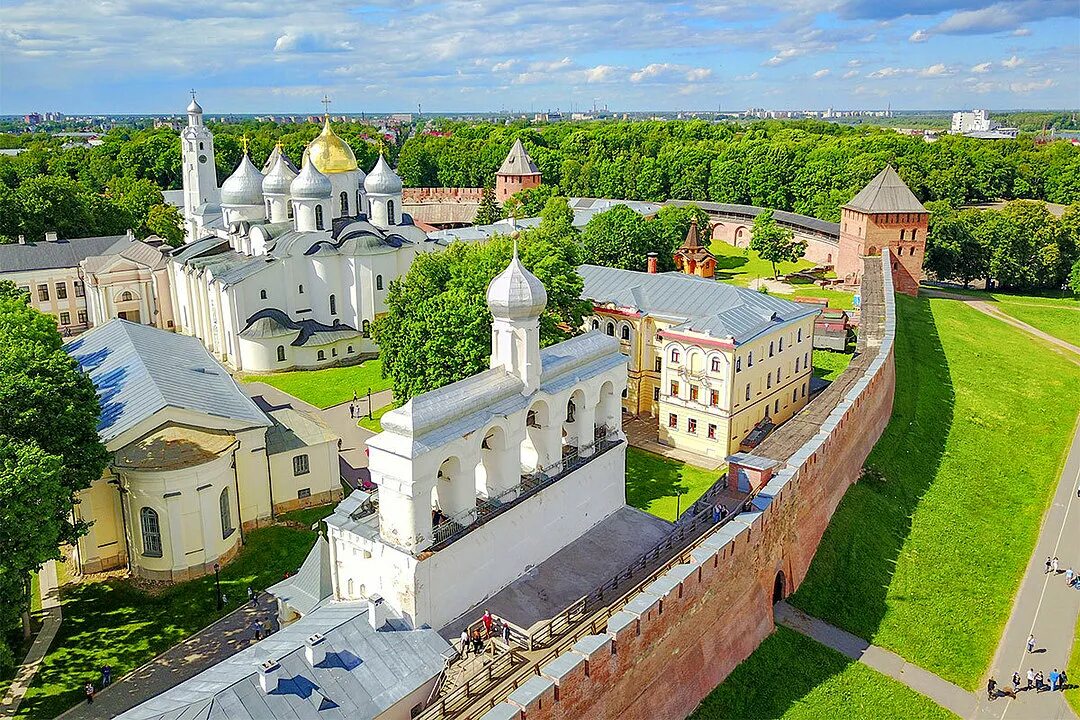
point(210, 645)
point(1045, 607)
point(50, 604)
point(942, 692)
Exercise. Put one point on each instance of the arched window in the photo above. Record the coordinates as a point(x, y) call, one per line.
point(262, 294)
point(366, 328)
point(797, 365)
point(571, 410)
point(333, 305)
point(267, 208)
point(344, 204)
point(768, 381)
point(625, 332)
point(780, 345)
point(747, 391)
point(716, 364)
point(378, 282)
point(290, 210)
point(777, 376)
point(281, 353)
point(914, 236)
point(750, 359)
point(359, 204)
point(611, 329)
point(390, 220)
point(322, 355)
point(151, 532)
point(800, 335)
point(675, 355)
point(595, 324)
point(226, 514)
point(318, 217)
point(770, 349)
point(126, 296)
point(350, 349)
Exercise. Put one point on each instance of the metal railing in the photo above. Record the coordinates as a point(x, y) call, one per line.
point(461, 524)
point(458, 698)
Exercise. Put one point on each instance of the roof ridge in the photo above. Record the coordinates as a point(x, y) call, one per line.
point(124, 325)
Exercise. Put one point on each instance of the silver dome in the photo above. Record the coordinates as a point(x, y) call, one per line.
point(244, 186)
point(516, 293)
point(310, 184)
point(279, 179)
point(382, 180)
point(194, 107)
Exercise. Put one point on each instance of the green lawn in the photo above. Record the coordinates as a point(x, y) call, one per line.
point(330, 386)
point(375, 423)
point(739, 266)
point(1052, 313)
point(307, 517)
point(653, 481)
point(925, 555)
point(114, 622)
point(1073, 671)
point(828, 364)
point(792, 677)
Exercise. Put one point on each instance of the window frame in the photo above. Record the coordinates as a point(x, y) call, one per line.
point(301, 465)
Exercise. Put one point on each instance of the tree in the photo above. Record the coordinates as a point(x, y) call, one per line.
point(953, 252)
point(773, 242)
point(489, 210)
point(1074, 277)
point(557, 219)
point(437, 328)
point(136, 197)
point(671, 225)
point(165, 222)
point(618, 238)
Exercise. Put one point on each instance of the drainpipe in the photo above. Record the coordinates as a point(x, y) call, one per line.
point(270, 485)
point(123, 518)
point(236, 485)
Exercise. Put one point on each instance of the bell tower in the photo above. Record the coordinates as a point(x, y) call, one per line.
point(200, 171)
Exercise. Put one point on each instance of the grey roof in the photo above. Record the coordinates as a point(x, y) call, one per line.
point(173, 197)
point(139, 370)
point(696, 304)
point(886, 193)
point(749, 212)
point(294, 429)
point(365, 673)
point(271, 322)
point(311, 584)
point(518, 162)
point(18, 257)
point(200, 248)
point(752, 461)
point(138, 252)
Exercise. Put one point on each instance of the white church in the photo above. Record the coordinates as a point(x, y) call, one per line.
point(285, 269)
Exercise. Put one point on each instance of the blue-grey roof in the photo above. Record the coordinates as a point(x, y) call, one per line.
point(19, 257)
point(197, 248)
point(696, 304)
point(752, 461)
point(271, 322)
point(139, 370)
point(749, 212)
point(311, 584)
point(365, 673)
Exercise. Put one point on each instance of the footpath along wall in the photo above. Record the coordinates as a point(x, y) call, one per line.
point(674, 642)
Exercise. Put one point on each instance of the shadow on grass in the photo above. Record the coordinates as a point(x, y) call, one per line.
point(650, 477)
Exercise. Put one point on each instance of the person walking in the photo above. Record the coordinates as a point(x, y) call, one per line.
point(991, 686)
point(352, 411)
point(88, 688)
point(1030, 678)
point(1055, 678)
point(1031, 643)
point(506, 633)
point(1039, 679)
point(257, 628)
point(487, 621)
point(1016, 681)
point(1047, 565)
point(716, 513)
point(464, 642)
point(106, 676)
point(1054, 564)
point(1063, 680)
point(1069, 575)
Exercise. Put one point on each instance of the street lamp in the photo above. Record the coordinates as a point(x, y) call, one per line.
point(678, 503)
point(217, 585)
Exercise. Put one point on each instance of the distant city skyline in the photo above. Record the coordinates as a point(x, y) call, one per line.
point(454, 56)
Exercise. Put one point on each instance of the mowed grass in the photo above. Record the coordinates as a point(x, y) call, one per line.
point(329, 386)
point(654, 483)
point(1055, 314)
point(792, 677)
point(925, 554)
point(114, 622)
point(828, 365)
point(742, 265)
point(1073, 672)
point(374, 424)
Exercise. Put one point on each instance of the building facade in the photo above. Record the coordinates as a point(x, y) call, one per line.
point(707, 361)
point(195, 462)
point(518, 172)
point(692, 257)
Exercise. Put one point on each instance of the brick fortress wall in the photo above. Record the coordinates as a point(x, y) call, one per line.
point(674, 642)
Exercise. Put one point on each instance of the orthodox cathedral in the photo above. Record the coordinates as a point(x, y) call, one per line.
point(286, 268)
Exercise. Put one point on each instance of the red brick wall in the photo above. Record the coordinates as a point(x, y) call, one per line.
point(441, 194)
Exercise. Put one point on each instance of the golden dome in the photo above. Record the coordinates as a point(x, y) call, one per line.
point(329, 153)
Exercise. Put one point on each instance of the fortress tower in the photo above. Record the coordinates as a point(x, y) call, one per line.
point(885, 213)
point(518, 172)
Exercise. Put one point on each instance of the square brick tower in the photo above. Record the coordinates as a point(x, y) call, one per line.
point(518, 172)
point(885, 213)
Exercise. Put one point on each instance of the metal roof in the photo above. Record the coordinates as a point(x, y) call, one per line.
point(365, 672)
point(294, 429)
point(277, 322)
point(138, 252)
point(518, 162)
point(804, 222)
point(139, 370)
point(698, 304)
point(19, 257)
point(311, 584)
point(886, 193)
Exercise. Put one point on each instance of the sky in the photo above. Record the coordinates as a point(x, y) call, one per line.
point(282, 56)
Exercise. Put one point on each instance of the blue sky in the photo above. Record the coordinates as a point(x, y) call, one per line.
point(95, 56)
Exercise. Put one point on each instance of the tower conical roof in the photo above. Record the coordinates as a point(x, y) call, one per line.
point(518, 162)
point(886, 193)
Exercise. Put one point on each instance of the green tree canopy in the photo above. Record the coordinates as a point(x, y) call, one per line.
point(773, 242)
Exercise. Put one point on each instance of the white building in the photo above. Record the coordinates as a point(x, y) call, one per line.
point(487, 477)
point(971, 121)
point(288, 270)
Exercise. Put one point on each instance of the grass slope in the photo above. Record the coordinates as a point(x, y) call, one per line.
point(1072, 695)
point(654, 481)
point(794, 678)
point(117, 623)
point(828, 364)
point(1051, 313)
point(925, 556)
point(329, 386)
point(740, 266)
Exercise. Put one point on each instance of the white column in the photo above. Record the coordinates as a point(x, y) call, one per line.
point(586, 422)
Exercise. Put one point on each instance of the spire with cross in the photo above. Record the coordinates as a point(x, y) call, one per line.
point(192, 93)
point(326, 105)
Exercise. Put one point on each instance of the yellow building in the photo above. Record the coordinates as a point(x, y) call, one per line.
point(195, 462)
point(708, 361)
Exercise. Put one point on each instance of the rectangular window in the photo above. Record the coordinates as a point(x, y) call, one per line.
point(303, 493)
point(674, 388)
point(80, 291)
point(43, 293)
point(300, 465)
point(82, 317)
point(25, 289)
point(61, 291)
point(693, 393)
point(716, 364)
point(714, 398)
point(691, 425)
point(712, 431)
point(65, 318)
point(672, 420)
point(656, 393)
point(657, 364)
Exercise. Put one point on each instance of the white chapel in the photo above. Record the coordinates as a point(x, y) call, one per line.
point(284, 269)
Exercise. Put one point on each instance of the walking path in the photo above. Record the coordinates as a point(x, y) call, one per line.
point(942, 692)
point(1045, 607)
point(50, 605)
point(207, 647)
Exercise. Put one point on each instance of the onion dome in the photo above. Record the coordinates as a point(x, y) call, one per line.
point(194, 107)
point(244, 186)
point(329, 153)
point(279, 179)
point(310, 184)
point(382, 180)
point(516, 293)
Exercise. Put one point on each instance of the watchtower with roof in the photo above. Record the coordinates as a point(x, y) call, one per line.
point(692, 257)
point(885, 214)
point(518, 172)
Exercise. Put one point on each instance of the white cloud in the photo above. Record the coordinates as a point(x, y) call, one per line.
point(503, 66)
point(823, 72)
point(854, 63)
point(786, 55)
point(850, 74)
point(698, 74)
point(935, 70)
point(1013, 62)
point(600, 73)
point(1021, 32)
point(981, 68)
point(886, 72)
point(919, 36)
point(747, 78)
point(1032, 86)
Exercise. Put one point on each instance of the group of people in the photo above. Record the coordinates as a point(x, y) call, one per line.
point(355, 412)
point(1035, 681)
point(719, 512)
point(106, 679)
point(475, 639)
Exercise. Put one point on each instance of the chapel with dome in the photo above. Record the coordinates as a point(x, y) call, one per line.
point(287, 267)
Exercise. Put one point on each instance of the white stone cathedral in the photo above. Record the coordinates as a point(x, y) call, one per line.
point(284, 269)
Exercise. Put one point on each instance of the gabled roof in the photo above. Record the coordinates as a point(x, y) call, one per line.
point(518, 162)
point(18, 257)
point(137, 252)
point(886, 193)
point(140, 370)
point(311, 584)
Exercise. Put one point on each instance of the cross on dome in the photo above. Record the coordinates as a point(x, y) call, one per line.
point(326, 104)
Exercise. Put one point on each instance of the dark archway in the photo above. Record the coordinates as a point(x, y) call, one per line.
point(779, 588)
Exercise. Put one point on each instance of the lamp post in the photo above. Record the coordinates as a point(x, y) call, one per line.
point(678, 503)
point(217, 585)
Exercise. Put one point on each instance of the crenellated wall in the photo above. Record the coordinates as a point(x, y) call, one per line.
point(675, 641)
